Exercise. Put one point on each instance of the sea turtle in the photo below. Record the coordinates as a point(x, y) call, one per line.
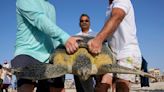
point(81, 63)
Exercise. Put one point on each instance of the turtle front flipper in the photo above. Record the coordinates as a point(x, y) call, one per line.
point(40, 71)
point(115, 68)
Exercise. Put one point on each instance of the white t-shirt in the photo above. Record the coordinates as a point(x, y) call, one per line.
point(124, 42)
point(89, 33)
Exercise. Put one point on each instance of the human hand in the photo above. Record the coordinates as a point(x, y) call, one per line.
point(72, 45)
point(95, 45)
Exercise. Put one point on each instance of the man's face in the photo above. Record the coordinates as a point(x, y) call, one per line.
point(84, 22)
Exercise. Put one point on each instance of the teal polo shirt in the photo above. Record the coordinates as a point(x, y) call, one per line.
point(37, 33)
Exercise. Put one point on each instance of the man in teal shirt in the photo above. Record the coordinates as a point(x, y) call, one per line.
point(37, 36)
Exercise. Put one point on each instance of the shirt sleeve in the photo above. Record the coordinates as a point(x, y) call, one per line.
point(32, 11)
point(123, 4)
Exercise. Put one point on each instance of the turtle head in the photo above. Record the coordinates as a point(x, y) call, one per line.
point(82, 66)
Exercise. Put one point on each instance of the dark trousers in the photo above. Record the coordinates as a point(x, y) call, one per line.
point(84, 85)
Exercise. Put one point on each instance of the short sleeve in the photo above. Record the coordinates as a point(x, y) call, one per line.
point(123, 4)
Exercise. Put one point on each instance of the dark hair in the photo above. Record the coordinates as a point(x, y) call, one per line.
point(0, 66)
point(110, 2)
point(84, 15)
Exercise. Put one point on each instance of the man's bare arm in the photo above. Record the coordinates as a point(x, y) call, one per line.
point(111, 24)
point(109, 28)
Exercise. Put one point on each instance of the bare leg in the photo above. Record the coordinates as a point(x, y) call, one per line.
point(52, 89)
point(57, 84)
point(114, 87)
point(103, 83)
point(102, 87)
point(122, 85)
point(26, 88)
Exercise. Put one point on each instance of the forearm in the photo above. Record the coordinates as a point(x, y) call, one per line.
point(111, 24)
point(108, 29)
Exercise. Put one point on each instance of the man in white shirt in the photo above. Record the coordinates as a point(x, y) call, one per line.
point(84, 85)
point(120, 30)
point(84, 24)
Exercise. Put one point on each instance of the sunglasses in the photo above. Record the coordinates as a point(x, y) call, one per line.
point(84, 20)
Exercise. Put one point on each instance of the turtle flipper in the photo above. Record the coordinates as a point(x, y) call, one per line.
point(40, 71)
point(115, 68)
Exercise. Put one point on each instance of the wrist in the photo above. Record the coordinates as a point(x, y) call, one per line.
point(99, 39)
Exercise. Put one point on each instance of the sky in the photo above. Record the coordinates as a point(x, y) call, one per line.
point(149, 20)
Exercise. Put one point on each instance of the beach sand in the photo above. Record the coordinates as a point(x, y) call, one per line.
point(154, 87)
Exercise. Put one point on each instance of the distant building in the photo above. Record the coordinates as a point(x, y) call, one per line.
point(162, 77)
point(156, 73)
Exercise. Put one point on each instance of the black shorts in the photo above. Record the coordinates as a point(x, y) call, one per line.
point(26, 60)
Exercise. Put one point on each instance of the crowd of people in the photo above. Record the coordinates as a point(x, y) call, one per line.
point(38, 36)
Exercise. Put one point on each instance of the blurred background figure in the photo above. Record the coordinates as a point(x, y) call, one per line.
point(6, 76)
point(144, 80)
point(1, 80)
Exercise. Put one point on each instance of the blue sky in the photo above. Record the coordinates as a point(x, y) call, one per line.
point(149, 21)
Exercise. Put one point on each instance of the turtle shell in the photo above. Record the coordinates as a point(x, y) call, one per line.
point(81, 63)
point(60, 56)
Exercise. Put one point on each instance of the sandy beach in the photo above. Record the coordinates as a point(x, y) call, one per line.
point(154, 87)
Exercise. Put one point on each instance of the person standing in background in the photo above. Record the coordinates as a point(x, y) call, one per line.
point(6, 76)
point(1, 80)
point(84, 85)
point(144, 80)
